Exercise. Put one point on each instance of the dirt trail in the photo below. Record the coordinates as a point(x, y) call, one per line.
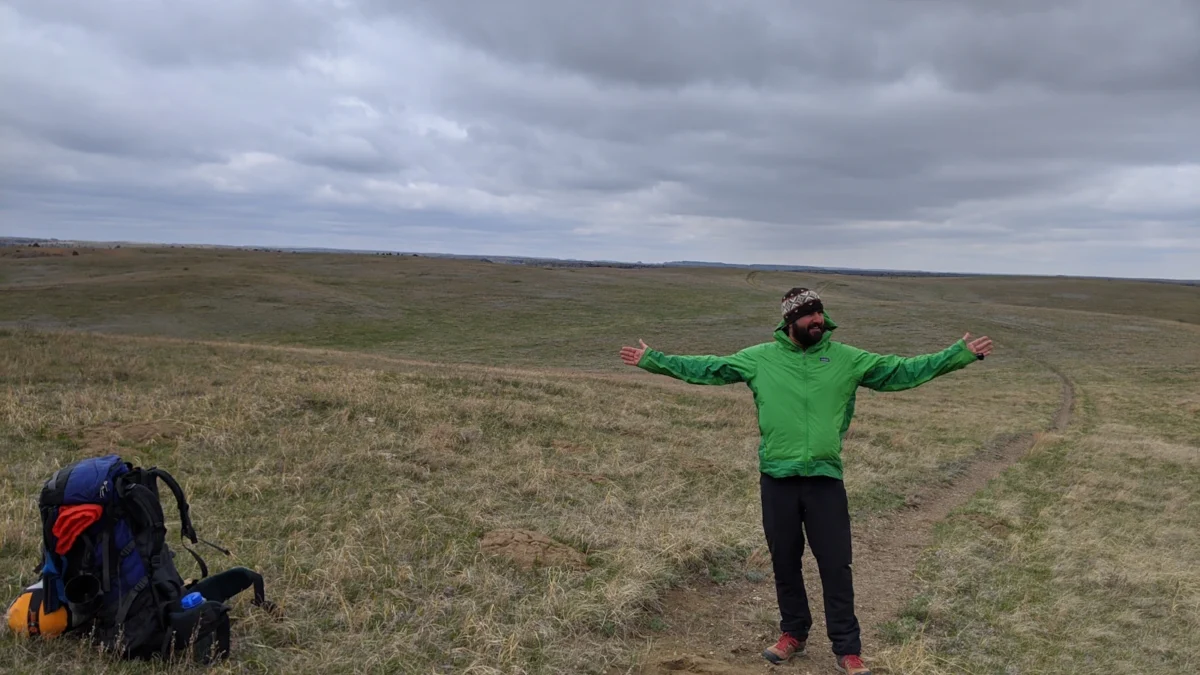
point(721, 630)
point(626, 375)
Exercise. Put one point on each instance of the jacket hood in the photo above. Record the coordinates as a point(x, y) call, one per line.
point(782, 337)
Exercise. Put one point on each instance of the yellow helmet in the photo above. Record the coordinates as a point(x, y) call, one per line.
point(25, 615)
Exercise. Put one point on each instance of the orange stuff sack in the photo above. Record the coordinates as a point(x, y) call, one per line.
point(25, 615)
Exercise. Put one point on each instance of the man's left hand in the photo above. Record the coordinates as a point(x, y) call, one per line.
point(980, 347)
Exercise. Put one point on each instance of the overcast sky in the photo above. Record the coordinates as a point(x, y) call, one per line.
point(1025, 136)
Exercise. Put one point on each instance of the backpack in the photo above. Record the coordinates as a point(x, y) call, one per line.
point(106, 559)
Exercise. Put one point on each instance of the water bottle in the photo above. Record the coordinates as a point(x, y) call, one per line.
point(191, 600)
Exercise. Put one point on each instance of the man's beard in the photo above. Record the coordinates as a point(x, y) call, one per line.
point(809, 337)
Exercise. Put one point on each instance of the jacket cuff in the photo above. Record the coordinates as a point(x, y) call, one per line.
point(967, 356)
point(647, 357)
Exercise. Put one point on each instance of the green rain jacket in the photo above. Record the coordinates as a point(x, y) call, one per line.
point(805, 398)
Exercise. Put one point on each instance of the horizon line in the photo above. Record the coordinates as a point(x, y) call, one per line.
point(781, 267)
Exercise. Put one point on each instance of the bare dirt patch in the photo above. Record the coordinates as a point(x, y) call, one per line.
point(529, 549)
point(704, 466)
point(110, 436)
point(569, 448)
point(701, 665)
point(585, 475)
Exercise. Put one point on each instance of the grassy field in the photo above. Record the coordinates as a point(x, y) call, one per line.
point(1081, 558)
point(354, 427)
point(497, 314)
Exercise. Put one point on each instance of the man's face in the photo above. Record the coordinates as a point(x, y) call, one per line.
point(808, 329)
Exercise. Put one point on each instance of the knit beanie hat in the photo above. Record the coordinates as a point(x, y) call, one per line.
point(799, 302)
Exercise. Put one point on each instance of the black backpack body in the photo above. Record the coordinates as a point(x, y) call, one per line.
point(106, 558)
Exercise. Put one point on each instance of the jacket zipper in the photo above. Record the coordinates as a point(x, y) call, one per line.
point(807, 456)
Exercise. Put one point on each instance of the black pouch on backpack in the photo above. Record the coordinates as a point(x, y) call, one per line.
point(200, 633)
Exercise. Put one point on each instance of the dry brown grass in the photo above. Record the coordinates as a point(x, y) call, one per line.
point(1089, 569)
point(361, 484)
point(362, 487)
point(361, 493)
point(1082, 559)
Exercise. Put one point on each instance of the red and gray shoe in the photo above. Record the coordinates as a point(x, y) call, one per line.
point(852, 665)
point(787, 647)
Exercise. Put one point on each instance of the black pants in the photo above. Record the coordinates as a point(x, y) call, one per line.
point(819, 503)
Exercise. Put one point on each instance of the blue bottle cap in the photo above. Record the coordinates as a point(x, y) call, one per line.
point(191, 600)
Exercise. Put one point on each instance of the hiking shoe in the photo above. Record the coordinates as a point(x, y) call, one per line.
point(852, 665)
point(787, 647)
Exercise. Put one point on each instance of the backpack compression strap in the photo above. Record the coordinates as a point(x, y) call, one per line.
point(199, 561)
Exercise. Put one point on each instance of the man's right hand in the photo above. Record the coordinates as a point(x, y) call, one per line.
point(981, 347)
point(633, 355)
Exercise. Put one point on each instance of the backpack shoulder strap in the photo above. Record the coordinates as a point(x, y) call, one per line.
point(186, 528)
point(55, 487)
point(185, 519)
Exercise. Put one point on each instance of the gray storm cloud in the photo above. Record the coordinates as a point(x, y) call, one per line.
point(1048, 137)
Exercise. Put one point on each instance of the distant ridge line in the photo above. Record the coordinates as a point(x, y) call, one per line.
point(564, 262)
